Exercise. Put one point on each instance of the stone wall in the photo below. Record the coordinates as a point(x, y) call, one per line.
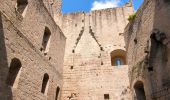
point(53, 7)
point(21, 37)
point(147, 49)
point(91, 37)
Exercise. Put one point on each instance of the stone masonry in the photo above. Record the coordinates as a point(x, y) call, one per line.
point(147, 42)
point(22, 26)
point(100, 55)
point(91, 37)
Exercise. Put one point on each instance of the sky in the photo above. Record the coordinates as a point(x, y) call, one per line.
point(70, 6)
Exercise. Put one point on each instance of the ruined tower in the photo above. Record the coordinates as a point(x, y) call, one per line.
point(94, 65)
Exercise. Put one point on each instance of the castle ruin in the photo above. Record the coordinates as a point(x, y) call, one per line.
point(100, 55)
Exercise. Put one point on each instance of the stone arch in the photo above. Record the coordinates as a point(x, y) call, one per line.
point(139, 91)
point(45, 82)
point(46, 39)
point(57, 93)
point(21, 6)
point(13, 74)
point(118, 57)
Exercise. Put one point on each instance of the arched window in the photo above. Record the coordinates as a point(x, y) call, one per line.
point(139, 91)
point(57, 93)
point(14, 70)
point(118, 62)
point(44, 88)
point(21, 6)
point(46, 40)
point(118, 57)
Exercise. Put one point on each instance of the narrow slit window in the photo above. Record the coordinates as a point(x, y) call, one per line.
point(13, 74)
point(45, 81)
point(46, 40)
point(21, 6)
point(57, 93)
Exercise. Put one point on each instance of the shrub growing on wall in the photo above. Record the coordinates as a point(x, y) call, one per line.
point(132, 17)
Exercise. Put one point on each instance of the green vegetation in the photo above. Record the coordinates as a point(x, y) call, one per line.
point(132, 17)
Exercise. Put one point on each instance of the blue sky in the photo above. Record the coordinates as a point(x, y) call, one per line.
point(88, 5)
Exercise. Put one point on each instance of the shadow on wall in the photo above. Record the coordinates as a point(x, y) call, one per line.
point(5, 90)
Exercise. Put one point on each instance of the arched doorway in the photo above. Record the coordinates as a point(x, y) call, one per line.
point(139, 91)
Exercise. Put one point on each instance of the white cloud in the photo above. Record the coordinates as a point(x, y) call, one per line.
point(105, 4)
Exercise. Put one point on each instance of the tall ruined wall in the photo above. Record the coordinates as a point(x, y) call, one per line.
point(137, 33)
point(21, 38)
point(91, 37)
point(147, 43)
